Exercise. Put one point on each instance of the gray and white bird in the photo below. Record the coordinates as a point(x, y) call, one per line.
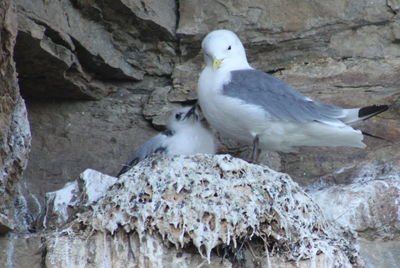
point(184, 135)
point(256, 108)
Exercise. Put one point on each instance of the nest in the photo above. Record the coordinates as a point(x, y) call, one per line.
point(209, 201)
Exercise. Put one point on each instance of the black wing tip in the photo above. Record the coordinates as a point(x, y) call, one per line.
point(372, 110)
point(122, 171)
point(128, 166)
point(372, 136)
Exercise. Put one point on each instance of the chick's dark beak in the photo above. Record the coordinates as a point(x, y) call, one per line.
point(191, 113)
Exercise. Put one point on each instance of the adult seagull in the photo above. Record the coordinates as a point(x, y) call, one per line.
point(256, 108)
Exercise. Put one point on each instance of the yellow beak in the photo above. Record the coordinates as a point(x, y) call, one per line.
point(217, 63)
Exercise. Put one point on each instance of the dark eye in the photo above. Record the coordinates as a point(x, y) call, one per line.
point(178, 116)
point(229, 48)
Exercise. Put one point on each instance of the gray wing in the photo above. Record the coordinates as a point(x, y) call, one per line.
point(278, 99)
point(156, 144)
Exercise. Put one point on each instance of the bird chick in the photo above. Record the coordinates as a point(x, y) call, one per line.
point(184, 135)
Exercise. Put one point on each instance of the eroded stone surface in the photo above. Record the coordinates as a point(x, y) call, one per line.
point(78, 53)
point(74, 134)
point(128, 250)
point(59, 205)
point(210, 201)
point(369, 205)
point(14, 127)
point(201, 201)
point(63, 205)
point(158, 108)
point(21, 250)
point(380, 253)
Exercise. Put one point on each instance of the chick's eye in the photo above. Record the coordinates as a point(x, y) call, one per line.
point(229, 48)
point(178, 116)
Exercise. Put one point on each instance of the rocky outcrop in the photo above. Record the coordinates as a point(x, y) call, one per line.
point(14, 127)
point(75, 49)
point(370, 207)
point(61, 205)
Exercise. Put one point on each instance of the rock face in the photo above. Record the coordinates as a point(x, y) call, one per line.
point(370, 207)
point(98, 77)
point(14, 126)
point(87, 45)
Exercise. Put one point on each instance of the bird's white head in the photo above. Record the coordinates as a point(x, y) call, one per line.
point(183, 117)
point(224, 50)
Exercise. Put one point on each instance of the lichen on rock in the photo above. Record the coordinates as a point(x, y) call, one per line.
point(212, 201)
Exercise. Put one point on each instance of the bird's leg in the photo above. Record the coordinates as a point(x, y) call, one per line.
point(258, 155)
point(256, 151)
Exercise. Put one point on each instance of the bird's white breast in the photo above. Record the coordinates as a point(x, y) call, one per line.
point(192, 139)
point(230, 116)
